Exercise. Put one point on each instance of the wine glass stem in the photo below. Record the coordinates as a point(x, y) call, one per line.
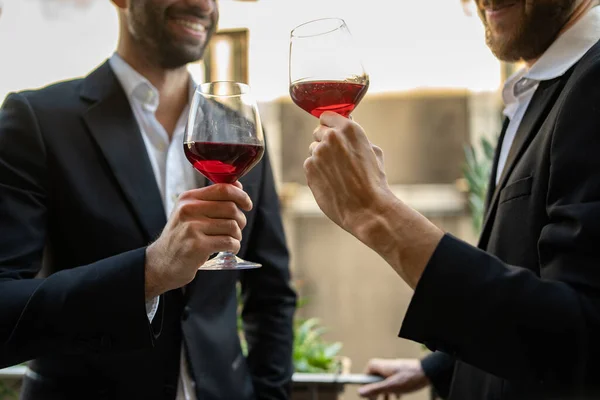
point(226, 256)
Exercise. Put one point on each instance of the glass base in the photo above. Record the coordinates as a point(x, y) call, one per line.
point(226, 260)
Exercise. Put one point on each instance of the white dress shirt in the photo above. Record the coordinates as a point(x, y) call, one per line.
point(565, 52)
point(173, 172)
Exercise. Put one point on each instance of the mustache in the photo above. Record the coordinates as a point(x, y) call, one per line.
point(495, 3)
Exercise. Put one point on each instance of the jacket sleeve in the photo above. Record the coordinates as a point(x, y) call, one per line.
point(439, 369)
point(94, 308)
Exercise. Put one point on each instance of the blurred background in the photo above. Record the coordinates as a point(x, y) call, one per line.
point(434, 90)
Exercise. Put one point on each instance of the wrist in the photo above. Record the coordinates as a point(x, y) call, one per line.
point(404, 238)
point(374, 224)
point(153, 278)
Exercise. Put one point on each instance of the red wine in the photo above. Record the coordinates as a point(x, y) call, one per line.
point(316, 97)
point(223, 162)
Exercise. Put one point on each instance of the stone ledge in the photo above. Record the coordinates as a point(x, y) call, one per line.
point(431, 200)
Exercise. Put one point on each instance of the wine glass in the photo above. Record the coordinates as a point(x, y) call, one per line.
point(326, 73)
point(223, 141)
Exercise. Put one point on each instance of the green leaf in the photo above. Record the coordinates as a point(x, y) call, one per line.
point(333, 349)
point(476, 171)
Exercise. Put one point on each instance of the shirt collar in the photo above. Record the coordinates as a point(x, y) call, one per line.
point(565, 52)
point(137, 87)
point(568, 48)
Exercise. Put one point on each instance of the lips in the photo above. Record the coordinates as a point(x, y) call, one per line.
point(192, 25)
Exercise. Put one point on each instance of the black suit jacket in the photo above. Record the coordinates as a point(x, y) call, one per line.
point(78, 204)
point(521, 314)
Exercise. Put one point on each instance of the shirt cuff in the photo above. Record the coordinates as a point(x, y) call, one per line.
point(152, 307)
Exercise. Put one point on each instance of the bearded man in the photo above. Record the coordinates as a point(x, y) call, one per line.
point(91, 171)
point(519, 316)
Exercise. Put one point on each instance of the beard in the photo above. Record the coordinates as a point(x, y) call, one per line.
point(148, 26)
point(537, 25)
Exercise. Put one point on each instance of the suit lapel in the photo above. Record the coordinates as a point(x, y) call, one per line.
point(492, 179)
point(113, 126)
point(536, 113)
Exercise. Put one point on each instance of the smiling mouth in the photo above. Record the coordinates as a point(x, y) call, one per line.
point(195, 27)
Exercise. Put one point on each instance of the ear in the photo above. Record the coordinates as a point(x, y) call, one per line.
point(122, 4)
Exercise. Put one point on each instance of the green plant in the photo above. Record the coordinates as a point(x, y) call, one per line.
point(476, 171)
point(311, 353)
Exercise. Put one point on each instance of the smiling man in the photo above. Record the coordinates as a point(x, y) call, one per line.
point(92, 171)
point(518, 317)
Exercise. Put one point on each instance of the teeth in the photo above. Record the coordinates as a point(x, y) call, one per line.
point(191, 25)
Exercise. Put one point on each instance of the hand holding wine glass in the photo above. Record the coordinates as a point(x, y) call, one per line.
point(223, 141)
point(326, 73)
point(204, 221)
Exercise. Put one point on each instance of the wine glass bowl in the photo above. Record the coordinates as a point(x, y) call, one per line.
point(223, 141)
point(326, 72)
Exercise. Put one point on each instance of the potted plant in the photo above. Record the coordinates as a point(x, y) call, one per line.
point(317, 362)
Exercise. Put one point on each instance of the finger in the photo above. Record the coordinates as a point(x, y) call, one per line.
point(374, 389)
point(319, 132)
point(220, 192)
point(331, 119)
point(201, 210)
point(238, 184)
point(216, 244)
point(219, 227)
point(312, 148)
point(372, 367)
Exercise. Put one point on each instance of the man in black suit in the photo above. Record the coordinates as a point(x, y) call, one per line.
point(518, 317)
point(89, 171)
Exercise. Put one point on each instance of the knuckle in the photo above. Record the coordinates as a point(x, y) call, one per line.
point(185, 210)
point(316, 132)
point(318, 150)
point(309, 165)
point(243, 220)
point(188, 245)
point(237, 233)
point(184, 196)
point(220, 189)
point(231, 226)
point(348, 125)
point(191, 229)
point(328, 135)
point(230, 208)
point(232, 244)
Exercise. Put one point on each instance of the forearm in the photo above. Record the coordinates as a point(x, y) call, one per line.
point(95, 308)
point(401, 236)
